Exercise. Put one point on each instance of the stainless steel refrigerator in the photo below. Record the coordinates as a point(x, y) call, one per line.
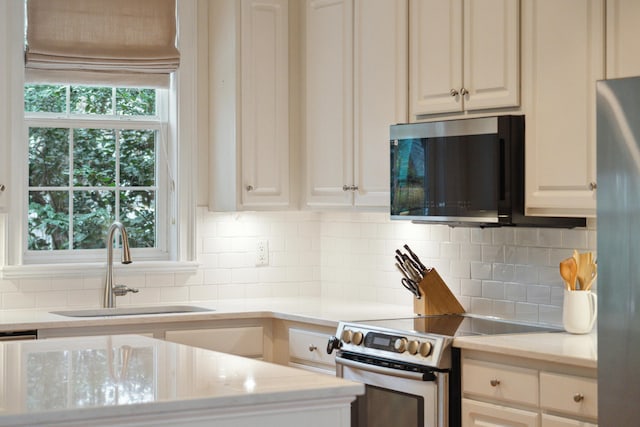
point(618, 222)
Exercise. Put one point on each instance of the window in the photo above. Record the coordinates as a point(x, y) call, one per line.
point(44, 105)
point(94, 157)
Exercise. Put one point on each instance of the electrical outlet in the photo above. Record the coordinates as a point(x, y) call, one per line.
point(262, 252)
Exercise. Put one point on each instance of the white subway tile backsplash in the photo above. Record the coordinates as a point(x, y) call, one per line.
point(493, 290)
point(508, 272)
point(471, 287)
point(493, 253)
point(549, 238)
point(526, 237)
point(504, 272)
point(526, 274)
point(575, 239)
point(515, 292)
point(539, 294)
point(481, 270)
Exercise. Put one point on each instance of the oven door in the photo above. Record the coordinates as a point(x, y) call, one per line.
point(395, 397)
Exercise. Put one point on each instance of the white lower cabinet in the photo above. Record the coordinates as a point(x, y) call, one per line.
point(506, 391)
point(307, 350)
point(244, 341)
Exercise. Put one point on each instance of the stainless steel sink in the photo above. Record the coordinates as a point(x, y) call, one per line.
point(132, 311)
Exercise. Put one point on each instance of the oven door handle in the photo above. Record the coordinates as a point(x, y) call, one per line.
point(418, 376)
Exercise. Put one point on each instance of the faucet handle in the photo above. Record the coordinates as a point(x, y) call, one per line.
point(122, 290)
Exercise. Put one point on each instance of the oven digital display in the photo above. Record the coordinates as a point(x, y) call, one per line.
point(380, 341)
point(383, 341)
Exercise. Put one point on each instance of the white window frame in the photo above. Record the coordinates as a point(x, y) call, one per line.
point(164, 195)
point(180, 250)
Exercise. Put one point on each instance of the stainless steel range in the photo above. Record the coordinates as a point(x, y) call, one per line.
point(409, 367)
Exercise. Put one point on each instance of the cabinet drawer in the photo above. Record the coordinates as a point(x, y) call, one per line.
point(500, 382)
point(308, 347)
point(569, 394)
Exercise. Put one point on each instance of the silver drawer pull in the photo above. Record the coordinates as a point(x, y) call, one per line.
point(2, 187)
point(494, 383)
point(578, 397)
point(312, 347)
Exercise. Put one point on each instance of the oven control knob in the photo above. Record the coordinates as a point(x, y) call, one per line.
point(400, 345)
point(425, 349)
point(357, 338)
point(413, 347)
point(347, 335)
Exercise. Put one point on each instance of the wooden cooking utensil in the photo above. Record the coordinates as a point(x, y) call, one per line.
point(568, 272)
point(593, 272)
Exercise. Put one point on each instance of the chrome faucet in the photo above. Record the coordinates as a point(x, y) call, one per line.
point(109, 290)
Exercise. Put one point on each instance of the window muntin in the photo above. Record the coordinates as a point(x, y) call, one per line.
point(94, 157)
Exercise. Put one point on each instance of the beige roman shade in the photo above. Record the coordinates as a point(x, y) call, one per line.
point(123, 42)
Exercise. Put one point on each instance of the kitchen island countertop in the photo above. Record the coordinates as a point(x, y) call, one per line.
point(129, 379)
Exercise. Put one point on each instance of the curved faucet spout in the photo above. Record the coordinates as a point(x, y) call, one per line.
point(109, 301)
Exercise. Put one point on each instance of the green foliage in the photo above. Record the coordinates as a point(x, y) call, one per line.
point(89, 184)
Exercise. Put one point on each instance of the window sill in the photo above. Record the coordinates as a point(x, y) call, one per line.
point(95, 269)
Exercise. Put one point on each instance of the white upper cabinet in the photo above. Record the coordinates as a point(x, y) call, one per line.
point(329, 101)
point(563, 56)
point(464, 55)
point(623, 33)
point(355, 87)
point(248, 69)
point(265, 103)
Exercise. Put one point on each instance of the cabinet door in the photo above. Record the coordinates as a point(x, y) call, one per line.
point(435, 58)
point(380, 92)
point(480, 414)
point(563, 56)
point(491, 54)
point(329, 102)
point(265, 103)
point(623, 34)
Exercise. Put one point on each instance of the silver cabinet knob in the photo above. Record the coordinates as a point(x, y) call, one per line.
point(453, 92)
point(593, 186)
point(249, 187)
point(312, 348)
point(494, 383)
point(464, 91)
point(578, 397)
point(2, 187)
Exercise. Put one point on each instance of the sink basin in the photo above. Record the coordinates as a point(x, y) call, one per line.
point(132, 311)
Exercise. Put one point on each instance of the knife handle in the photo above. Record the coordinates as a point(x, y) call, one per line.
point(415, 258)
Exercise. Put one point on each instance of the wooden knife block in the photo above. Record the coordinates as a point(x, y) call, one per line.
point(437, 298)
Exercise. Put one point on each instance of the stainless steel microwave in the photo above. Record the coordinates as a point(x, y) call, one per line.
point(463, 172)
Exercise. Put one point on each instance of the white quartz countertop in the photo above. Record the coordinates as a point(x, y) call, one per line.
point(559, 347)
point(122, 375)
point(321, 311)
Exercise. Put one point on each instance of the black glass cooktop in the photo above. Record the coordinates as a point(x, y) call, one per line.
point(455, 325)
